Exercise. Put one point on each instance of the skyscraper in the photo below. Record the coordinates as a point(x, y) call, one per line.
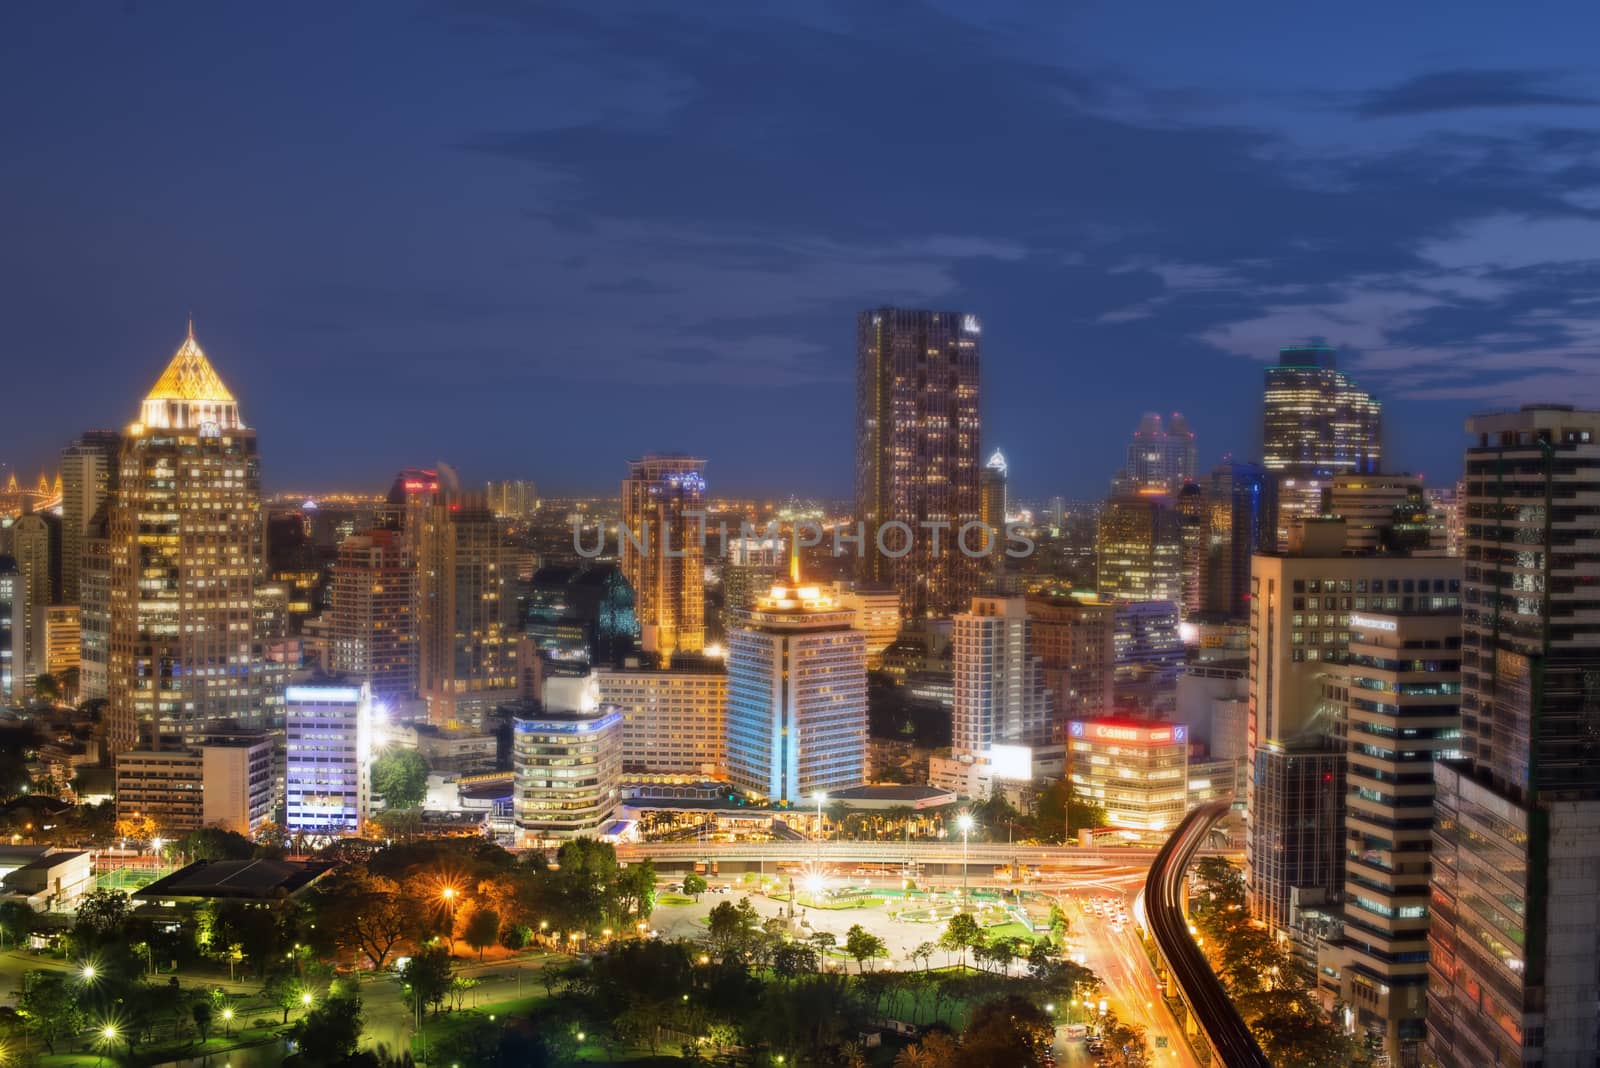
point(663, 551)
point(1161, 458)
point(1241, 520)
point(1000, 694)
point(1381, 511)
point(328, 756)
point(1139, 549)
point(36, 545)
point(1075, 640)
point(10, 595)
point(917, 456)
point(1514, 944)
point(1315, 424)
point(88, 477)
point(374, 631)
point(797, 696)
point(187, 558)
point(466, 612)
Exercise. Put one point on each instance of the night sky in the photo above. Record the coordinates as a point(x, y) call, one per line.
point(536, 239)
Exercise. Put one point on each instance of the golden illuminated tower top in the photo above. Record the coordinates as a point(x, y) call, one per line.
point(190, 395)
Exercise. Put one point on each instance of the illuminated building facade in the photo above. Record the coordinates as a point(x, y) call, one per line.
point(94, 607)
point(992, 505)
point(374, 628)
point(1001, 700)
point(673, 719)
point(327, 757)
point(513, 499)
point(1162, 458)
point(1400, 687)
point(1149, 655)
point(877, 610)
point(1074, 640)
point(10, 595)
point(663, 551)
point(62, 639)
point(1315, 424)
point(1514, 942)
point(754, 566)
point(1137, 770)
point(88, 478)
point(36, 546)
point(226, 781)
point(187, 557)
point(797, 696)
point(917, 459)
point(1381, 512)
point(567, 762)
point(1139, 549)
point(1241, 520)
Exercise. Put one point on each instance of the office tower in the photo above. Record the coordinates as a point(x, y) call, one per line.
point(673, 719)
point(1514, 944)
point(877, 610)
point(1400, 688)
point(797, 696)
point(754, 566)
point(512, 499)
point(1301, 604)
point(1001, 700)
point(11, 690)
point(1137, 770)
point(567, 762)
point(583, 614)
point(225, 780)
point(413, 491)
point(62, 639)
point(1315, 424)
point(917, 455)
point(1161, 459)
point(374, 629)
point(1058, 513)
point(466, 609)
point(992, 500)
point(1139, 550)
point(1241, 520)
point(1381, 512)
point(663, 551)
point(1444, 520)
point(88, 477)
point(36, 546)
point(1148, 655)
point(1074, 639)
point(1192, 508)
point(94, 607)
point(187, 558)
point(327, 756)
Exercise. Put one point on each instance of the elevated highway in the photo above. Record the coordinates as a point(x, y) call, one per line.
point(1211, 1015)
point(888, 853)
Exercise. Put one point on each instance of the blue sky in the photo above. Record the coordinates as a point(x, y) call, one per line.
point(536, 239)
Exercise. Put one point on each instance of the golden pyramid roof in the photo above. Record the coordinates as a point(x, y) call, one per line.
point(190, 377)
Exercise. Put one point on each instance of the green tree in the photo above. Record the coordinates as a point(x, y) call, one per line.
point(427, 976)
point(214, 843)
point(694, 885)
point(961, 933)
point(636, 890)
point(483, 927)
point(328, 1034)
point(729, 929)
point(102, 916)
point(50, 1006)
point(790, 960)
point(17, 921)
point(400, 777)
point(47, 688)
point(1010, 1032)
point(284, 991)
point(862, 945)
point(204, 1013)
point(365, 913)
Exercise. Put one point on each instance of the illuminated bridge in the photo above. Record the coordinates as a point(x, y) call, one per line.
point(1211, 1016)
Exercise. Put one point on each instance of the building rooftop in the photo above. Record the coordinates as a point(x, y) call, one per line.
point(249, 880)
point(190, 377)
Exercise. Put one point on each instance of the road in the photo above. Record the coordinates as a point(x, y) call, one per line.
point(1163, 900)
point(890, 853)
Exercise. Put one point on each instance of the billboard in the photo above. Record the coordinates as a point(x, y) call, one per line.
point(1013, 763)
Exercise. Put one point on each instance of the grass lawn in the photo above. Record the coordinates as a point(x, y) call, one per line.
point(1010, 930)
point(448, 1024)
point(674, 899)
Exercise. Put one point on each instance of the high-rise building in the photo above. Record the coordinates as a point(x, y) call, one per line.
point(1444, 520)
point(88, 477)
point(992, 506)
point(1139, 550)
point(797, 696)
point(663, 551)
point(1074, 639)
point(1381, 512)
point(1514, 943)
point(1315, 424)
point(512, 499)
point(94, 607)
point(673, 719)
point(581, 614)
point(754, 566)
point(187, 560)
point(567, 762)
point(1137, 770)
point(1161, 458)
point(1400, 688)
point(1148, 648)
point(1301, 604)
point(36, 546)
point(466, 608)
point(374, 629)
point(327, 756)
point(1192, 508)
point(1001, 699)
point(877, 610)
point(917, 459)
point(62, 639)
point(1241, 520)
point(11, 692)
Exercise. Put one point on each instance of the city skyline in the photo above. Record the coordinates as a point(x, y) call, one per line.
point(420, 269)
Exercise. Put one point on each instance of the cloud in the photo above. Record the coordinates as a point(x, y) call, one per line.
point(1467, 89)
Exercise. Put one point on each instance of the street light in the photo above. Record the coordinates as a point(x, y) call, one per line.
point(227, 1021)
point(819, 797)
point(108, 1036)
point(964, 821)
point(88, 973)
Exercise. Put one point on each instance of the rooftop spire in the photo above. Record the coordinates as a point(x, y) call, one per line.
point(190, 392)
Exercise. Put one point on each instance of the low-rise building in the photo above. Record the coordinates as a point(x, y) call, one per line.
point(673, 718)
point(1137, 770)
